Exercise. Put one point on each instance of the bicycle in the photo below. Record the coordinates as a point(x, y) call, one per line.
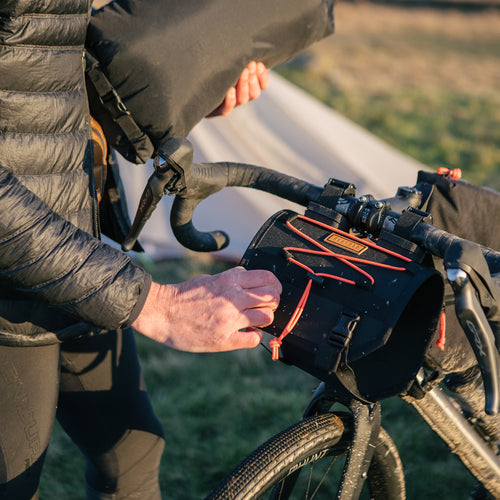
point(451, 403)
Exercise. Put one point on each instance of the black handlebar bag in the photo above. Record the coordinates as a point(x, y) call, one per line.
point(354, 312)
point(155, 68)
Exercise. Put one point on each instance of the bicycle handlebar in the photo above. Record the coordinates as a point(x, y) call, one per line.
point(175, 173)
point(471, 268)
point(235, 174)
point(191, 183)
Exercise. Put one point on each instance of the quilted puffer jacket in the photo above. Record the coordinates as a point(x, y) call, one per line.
point(56, 277)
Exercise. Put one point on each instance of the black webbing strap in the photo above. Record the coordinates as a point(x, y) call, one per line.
point(409, 220)
point(333, 190)
point(117, 110)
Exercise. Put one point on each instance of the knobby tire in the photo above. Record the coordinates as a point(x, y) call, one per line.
point(272, 469)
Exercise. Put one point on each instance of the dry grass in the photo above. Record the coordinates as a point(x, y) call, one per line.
point(378, 47)
point(424, 80)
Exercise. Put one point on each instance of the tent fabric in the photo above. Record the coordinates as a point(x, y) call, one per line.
point(286, 130)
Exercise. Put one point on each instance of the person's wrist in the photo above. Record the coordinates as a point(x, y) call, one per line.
point(150, 313)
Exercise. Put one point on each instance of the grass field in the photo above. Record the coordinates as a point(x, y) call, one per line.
point(424, 80)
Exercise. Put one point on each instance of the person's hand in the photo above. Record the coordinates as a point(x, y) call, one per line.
point(252, 81)
point(211, 313)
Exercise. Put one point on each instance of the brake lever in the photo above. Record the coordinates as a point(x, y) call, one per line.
point(191, 183)
point(169, 165)
point(476, 305)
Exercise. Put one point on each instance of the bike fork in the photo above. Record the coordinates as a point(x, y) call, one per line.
point(366, 426)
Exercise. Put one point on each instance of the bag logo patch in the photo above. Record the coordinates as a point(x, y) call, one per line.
point(346, 243)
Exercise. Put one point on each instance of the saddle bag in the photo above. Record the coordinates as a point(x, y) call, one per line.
point(357, 314)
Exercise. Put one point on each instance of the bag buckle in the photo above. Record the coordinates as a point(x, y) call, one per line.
point(331, 349)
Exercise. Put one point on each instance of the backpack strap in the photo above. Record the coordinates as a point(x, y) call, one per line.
point(140, 146)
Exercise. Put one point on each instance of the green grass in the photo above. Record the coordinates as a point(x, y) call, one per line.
point(437, 128)
point(215, 409)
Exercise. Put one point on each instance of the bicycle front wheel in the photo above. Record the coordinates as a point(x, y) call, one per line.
point(306, 460)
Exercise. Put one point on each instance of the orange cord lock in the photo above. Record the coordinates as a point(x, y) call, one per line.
point(441, 341)
point(455, 173)
point(275, 345)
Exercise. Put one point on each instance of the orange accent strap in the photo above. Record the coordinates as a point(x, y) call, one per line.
point(276, 342)
point(364, 241)
point(441, 341)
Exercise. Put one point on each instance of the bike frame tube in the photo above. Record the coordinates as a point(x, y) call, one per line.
point(448, 422)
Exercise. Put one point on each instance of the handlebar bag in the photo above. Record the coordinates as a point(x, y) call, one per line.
point(155, 68)
point(370, 312)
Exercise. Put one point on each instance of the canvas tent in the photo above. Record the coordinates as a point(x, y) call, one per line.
point(286, 130)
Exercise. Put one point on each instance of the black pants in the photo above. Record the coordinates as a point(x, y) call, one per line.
point(95, 388)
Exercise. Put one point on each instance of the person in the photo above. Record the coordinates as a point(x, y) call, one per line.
point(252, 309)
point(67, 301)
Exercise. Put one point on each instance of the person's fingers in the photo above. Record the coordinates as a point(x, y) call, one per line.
point(256, 278)
point(254, 88)
point(228, 104)
point(253, 79)
point(266, 296)
point(242, 96)
point(262, 75)
point(260, 317)
point(246, 338)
